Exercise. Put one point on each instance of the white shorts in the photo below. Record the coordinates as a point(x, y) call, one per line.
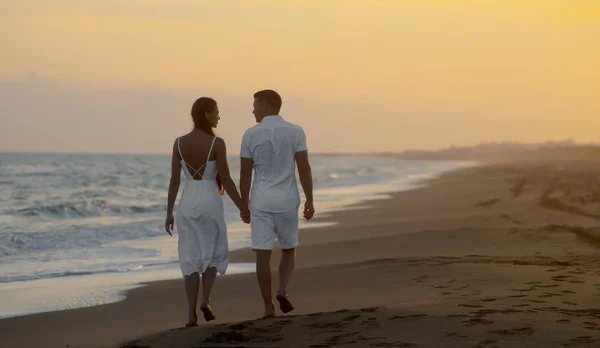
point(265, 226)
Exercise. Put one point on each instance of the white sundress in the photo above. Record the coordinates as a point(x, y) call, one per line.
point(200, 221)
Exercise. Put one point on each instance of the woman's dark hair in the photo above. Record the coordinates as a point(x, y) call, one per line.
point(202, 106)
point(199, 109)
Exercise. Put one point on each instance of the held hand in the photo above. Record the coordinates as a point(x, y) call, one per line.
point(309, 210)
point(245, 215)
point(169, 224)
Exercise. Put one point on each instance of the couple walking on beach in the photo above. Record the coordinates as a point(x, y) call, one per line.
point(271, 149)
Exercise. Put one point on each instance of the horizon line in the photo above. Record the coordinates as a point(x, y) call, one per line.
point(165, 153)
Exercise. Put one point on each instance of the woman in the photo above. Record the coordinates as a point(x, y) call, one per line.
point(202, 243)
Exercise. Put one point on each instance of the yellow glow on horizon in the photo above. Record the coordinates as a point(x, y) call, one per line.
point(512, 61)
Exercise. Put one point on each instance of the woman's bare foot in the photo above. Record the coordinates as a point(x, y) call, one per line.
point(269, 311)
point(193, 321)
point(207, 311)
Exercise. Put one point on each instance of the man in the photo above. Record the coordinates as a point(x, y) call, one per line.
point(272, 148)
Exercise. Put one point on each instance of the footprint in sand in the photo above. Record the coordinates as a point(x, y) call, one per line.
point(549, 294)
point(522, 289)
point(517, 296)
point(569, 303)
point(347, 338)
point(411, 316)
point(483, 312)
point(352, 317)
point(421, 278)
point(268, 330)
point(332, 325)
point(552, 308)
point(536, 301)
point(486, 343)
point(370, 323)
point(581, 341)
point(548, 286)
point(315, 315)
point(561, 278)
point(448, 257)
point(591, 326)
point(454, 334)
point(563, 321)
point(227, 337)
point(341, 311)
point(392, 344)
point(470, 305)
point(476, 321)
point(487, 203)
point(489, 300)
point(241, 326)
point(457, 316)
point(527, 330)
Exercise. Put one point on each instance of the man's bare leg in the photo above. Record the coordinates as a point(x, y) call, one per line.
point(287, 265)
point(263, 275)
point(192, 286)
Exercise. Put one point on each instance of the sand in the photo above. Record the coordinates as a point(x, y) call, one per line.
point(494, 256)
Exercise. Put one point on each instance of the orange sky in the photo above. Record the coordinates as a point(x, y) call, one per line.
point(358, 75)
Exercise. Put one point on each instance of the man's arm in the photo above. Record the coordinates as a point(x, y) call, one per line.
point(306, 181)
point(246, 178)
point(246, 167)
point(223, 170)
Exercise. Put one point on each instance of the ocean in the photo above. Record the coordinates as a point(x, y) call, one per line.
point(78, 230)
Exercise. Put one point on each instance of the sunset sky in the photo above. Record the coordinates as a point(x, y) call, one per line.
point(359, 75)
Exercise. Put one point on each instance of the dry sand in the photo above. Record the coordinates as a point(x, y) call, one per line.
point(495, 256)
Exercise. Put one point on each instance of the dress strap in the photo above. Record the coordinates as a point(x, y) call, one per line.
point(210, 150)
point(179, 148)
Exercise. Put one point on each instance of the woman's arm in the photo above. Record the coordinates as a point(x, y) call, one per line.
point(173, 188)
point(228, 184)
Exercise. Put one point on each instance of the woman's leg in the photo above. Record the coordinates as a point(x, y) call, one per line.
point(208, 280)
point(192, 286)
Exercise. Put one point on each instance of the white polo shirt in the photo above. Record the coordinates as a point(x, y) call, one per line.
point(272, 145)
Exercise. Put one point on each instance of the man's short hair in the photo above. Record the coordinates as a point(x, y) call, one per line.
point(270, 97)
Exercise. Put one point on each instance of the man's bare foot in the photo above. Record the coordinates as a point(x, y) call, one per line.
point(284, 303)
point(207, 311)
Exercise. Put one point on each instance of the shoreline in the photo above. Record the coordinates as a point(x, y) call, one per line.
point(244, 255)
point(458, 252)
point(109, 289)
